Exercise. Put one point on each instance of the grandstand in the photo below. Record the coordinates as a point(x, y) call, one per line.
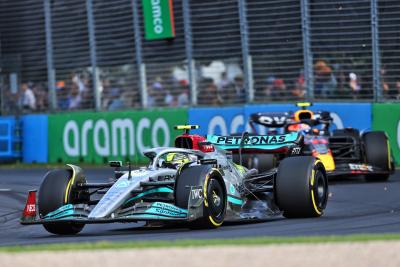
point(95, 55)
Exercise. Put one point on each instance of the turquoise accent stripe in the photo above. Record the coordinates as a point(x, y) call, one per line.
point(61, 211)
point(263, 142)
point(151, 191)
point(235, 200)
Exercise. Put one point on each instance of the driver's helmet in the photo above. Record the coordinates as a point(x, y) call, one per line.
point(177, 159)
point(299, 115)
point(303, 114)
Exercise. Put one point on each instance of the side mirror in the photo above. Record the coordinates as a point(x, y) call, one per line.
point(115, 164)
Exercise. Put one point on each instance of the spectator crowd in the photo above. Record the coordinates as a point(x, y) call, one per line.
point(331, 81)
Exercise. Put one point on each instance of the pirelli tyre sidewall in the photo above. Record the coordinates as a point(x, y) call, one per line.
point(301, 187)
point(377, 153)
point(213, 190)
point(57, 190)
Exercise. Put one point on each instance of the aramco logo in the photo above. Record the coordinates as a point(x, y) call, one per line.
point(119, 137)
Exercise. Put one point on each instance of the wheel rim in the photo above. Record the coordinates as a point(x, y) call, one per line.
point(320, 190)
point(215, 199)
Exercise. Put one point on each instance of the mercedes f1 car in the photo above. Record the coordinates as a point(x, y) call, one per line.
point(343, 151)
point(195, 182)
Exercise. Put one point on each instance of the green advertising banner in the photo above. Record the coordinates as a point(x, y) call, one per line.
point(96, 137)
point(158, 19)
point(386, 117)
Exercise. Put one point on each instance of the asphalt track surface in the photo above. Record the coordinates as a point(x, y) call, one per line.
point(354, 207)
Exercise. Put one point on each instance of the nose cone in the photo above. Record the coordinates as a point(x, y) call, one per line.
point(117, 194)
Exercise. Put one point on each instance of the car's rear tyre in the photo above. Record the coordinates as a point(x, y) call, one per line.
point(377, 153)
point(301, 187)
point(52, 195)
point(261, 162)
point(214, 194)
point(265, 162)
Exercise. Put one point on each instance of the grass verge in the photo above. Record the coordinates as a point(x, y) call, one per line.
point(203, 242)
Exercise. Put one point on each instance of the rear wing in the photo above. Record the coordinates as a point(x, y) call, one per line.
point(271, 119)
point(256, 142)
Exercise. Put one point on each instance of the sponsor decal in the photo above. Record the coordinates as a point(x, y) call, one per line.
point(296, 150)
point(158, 19)
point(31, 208)
point(219, 124)
point(99, 137)
point(122, 184)
point(272, 120)
point(197, 193)
point(166, 209)
point(232, 189)
point(111, 139)
point(251, 140)
point(360, 167)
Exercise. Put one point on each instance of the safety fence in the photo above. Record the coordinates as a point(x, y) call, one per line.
point(115, 55)
point(93, 137)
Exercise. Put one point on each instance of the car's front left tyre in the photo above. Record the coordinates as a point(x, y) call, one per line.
point(57, 190)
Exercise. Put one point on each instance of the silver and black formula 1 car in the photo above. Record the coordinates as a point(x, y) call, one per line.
point(344, 152)
point(194, 182)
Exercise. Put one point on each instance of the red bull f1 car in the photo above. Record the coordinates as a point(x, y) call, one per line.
point(344, 152)
point(196, 182)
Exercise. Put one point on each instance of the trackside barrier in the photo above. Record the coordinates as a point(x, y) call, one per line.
point(386, 117)
point(97, 137)
point(10, 139)
point(35, 138)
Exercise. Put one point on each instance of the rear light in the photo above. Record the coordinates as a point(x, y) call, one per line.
point(206, 147)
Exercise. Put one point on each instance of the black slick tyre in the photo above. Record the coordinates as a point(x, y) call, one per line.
point(301, 187)
point(213, 193)
point(261, 162)
point(377, 154)
point(52, 195)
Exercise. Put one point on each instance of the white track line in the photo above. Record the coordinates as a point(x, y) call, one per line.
point(5, 189)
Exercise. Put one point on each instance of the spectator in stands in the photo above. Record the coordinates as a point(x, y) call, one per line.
point(184, 95)
point(354, 84)
point(396, 93)
point(27, 100)
point(208, 93)
point(279, 91)
point(225, 82)
point(41, 95)
point(169, 99)
point(325, 81)
point(384, 84)
point(240, 90)
point(62, 95)
point(74, 97)
point(10, 101)
point(116, 100)
point(158, 92)
point(299, 89)
point(269, 86)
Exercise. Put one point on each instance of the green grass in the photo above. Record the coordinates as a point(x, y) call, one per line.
point(202, 242)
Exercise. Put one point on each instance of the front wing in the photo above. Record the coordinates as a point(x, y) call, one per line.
point(155, 211)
